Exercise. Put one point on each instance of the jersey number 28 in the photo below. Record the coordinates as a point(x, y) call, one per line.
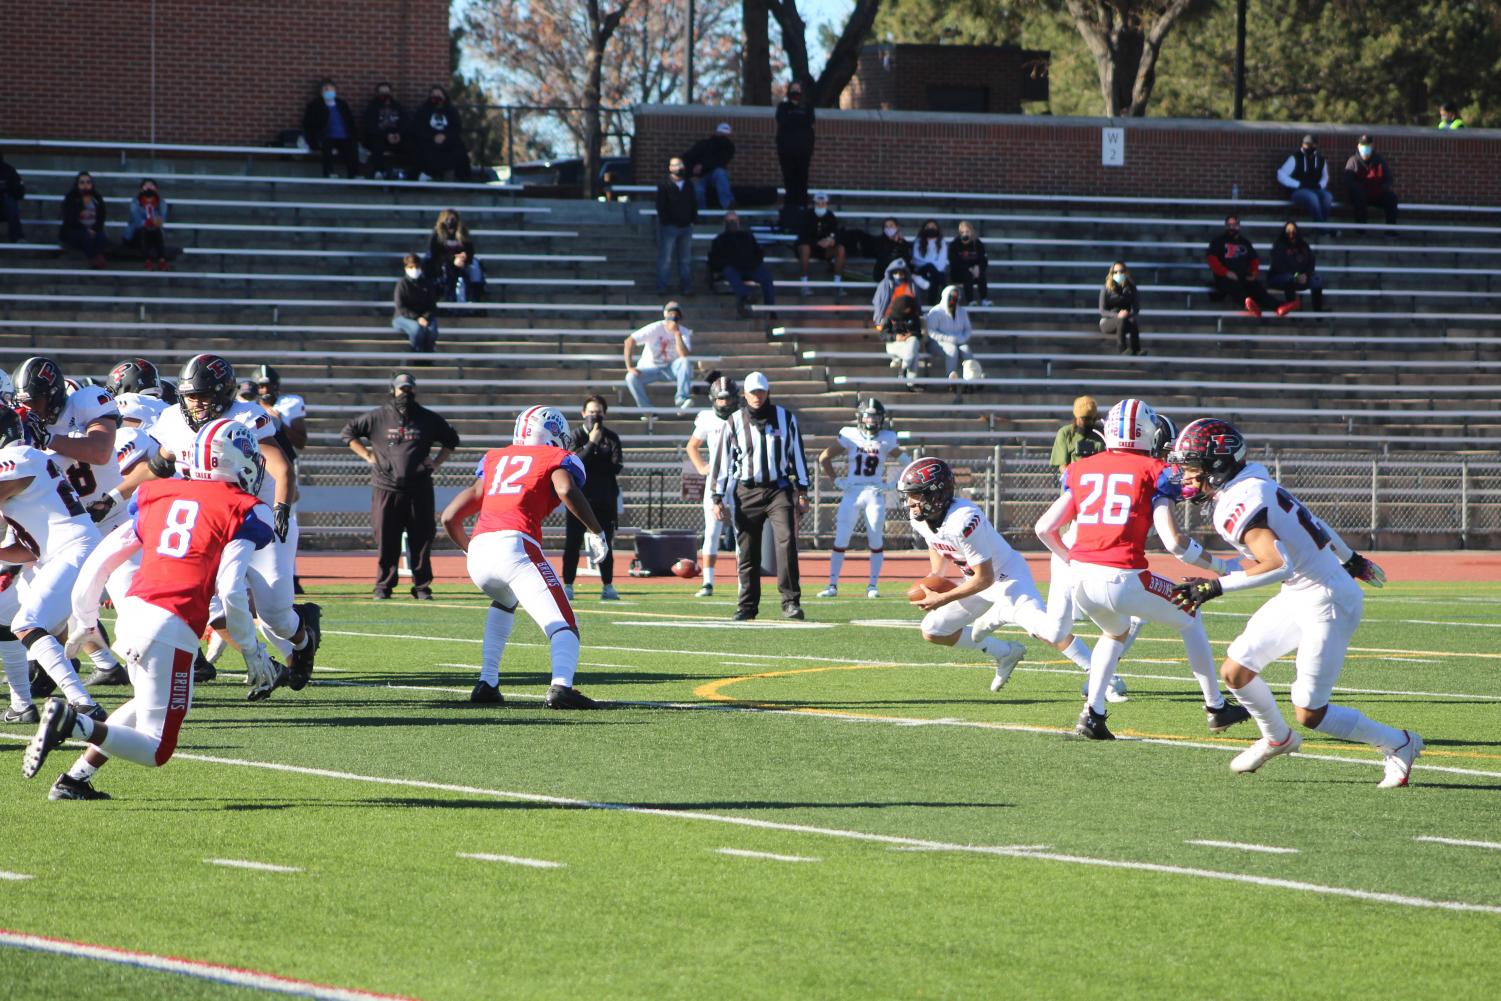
point(1117, 505)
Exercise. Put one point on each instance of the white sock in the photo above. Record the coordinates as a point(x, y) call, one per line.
point(17, 673)
point(82, 770)
point(990, 644)
point(104, 659)
point(498, 625)
point(131, 744)
point(1259, 701)
point(1131, 634)
point(1107, 653)
point(1352, 724)
point(836, 564)
point(709, 575)
point(565, 656)
point(1078, 653)
point(876, 560)
point(1201, 663)
point(48, 652)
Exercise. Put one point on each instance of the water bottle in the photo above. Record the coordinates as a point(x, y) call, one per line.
point(1235, 192)
point(460, 290)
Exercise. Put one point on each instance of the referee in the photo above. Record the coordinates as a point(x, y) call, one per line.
point(761, 456)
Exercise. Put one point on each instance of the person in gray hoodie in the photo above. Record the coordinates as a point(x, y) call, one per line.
point(897, 314)
point(949, 327)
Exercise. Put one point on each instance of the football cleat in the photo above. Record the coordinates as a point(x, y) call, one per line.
point(260, 693)
point(26, 714)
point(1263, 751)
point(707, 591)
point(1115, 693)
point(608, 593)
point(872, 592)
point(1091, 726)
point(202, 670)
point(564, 697)
point(832, 591)
point(568, 591)
point(744, 614)
point(116, 675)
point(56, 726)
point(67, 787)
point(1399, 762)
point(300, 662)
point(1226, 716)
point(42, 684)
point(1005, 663)
point(92, 710)
point(486, 694)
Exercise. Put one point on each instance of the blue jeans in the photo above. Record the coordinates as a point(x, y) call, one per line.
point(680, 372)
point(1316, 202)
point(670, 240)
point(91, 241)
point(419, 337)
point(760, 276)
point(720, 178)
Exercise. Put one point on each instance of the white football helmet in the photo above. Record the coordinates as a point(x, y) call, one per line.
point(542, 426)
point(1131, 424)
point(226, 450)
point(7, 389)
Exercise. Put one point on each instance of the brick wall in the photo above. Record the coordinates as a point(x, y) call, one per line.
point(899, 76)
point(1026, 154)
point(227, 71)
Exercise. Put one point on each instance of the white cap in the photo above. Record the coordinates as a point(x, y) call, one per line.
point(820, 196)
point(723, 128)
point(756, 382)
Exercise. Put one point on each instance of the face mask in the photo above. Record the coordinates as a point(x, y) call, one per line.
point(436, 100)
point(383, 98)
point(1118, 277)
point(675, 171)
point(413, 273)
point(592, 421)
point(890, 231)
point(931, 234)
point(794, 97)
point(731, 227)
point(1365, 151)
point(820, 212)
point(149, 193)
point(965, 237)
point(329, 96)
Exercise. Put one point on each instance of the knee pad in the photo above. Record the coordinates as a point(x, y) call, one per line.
point(502, 608)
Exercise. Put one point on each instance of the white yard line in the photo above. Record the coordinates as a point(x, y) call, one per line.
point(14, 877)
point(236, 863)
point(530, 863)
point(769, 856)
point(235, 976)
point(1238, 846)
point(1460, 842)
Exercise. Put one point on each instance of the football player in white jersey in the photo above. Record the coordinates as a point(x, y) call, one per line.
point(708, 429)
point(866, 445)
point(1315, 612)
point(290, 412)
point(136, 386)
point(997, 586)
point(50, 529)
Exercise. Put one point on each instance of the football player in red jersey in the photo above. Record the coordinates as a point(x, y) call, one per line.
point(1114, 499)
point(195, 537)
point(515, 488)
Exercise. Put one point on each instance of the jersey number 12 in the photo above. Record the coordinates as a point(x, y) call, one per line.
point(508, 473)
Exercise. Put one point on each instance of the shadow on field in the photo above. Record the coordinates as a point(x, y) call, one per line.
point(1444, 742)
point(502, 716)
point(487, 803)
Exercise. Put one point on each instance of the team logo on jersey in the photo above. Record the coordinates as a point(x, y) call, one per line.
point(8, 466)
point(1234, 517)
point(971, 525)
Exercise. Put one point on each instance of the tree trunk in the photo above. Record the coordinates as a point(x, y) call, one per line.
point(844, 59)
point(601, 28)
point(755, 59)
point(1125, 39)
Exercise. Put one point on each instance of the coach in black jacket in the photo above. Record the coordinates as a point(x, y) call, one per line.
point(603, 456)
point(677, 211)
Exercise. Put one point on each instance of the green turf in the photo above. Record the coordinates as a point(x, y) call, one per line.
point(875, 733)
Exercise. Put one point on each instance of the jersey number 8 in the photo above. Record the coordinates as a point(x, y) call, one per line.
point(177, 533)
point(1117, 509)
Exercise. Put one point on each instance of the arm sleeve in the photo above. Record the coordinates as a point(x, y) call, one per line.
point(1240, 581)
point(1285, 173)
point(234, 561)
point(1049, 527)
point(575, 469)
point(1187, 550)
point(256, 528)
point(1342, 549)
point(117, 547)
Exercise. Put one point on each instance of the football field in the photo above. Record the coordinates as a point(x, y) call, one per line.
point(822, 809)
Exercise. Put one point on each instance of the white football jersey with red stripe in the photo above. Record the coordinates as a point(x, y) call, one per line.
point(1253, 491)
point(85, 406)
point(172, 432)
point(132, 445)
point(47, 516)
point(966, 536)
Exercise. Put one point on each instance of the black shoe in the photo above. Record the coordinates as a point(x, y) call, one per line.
point(563, 697)
point(116, 675)
point(380, 595)
point(1226, 716)
point(793, 612)
point(744, 614)
point(300, 662)
point(92, 710)
point(422, 594)
point(1092, 726)
point(27, 715)
point(297, 586)
point(42, 684)
point(203, 670)
point(67, 787)
point(55, 727)
point(486, 694)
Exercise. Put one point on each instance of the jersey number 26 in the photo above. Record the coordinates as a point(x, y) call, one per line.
point(1117, 503)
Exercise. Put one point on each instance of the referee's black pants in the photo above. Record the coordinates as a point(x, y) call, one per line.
point(395, 511)
point(753, 507)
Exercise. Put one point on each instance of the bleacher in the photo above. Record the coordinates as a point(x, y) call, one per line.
point(281, 266)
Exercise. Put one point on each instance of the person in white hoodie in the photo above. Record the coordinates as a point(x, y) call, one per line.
point(950, 329)
point(930, 259)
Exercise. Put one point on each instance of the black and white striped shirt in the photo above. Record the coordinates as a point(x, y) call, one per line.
point(757, 454)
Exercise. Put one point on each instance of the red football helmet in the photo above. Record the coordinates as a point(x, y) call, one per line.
point(933, 482)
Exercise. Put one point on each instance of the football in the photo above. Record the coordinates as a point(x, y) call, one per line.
point(686, 569)
point(934, 582)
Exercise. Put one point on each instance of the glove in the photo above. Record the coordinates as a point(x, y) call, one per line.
point(1362, 569)
point(80, 632)
point(8, 574)
point(1194, 591)
point(283, 523)
point(596, 547)
point(100, 509)
point(40, 436)
point(262, 673)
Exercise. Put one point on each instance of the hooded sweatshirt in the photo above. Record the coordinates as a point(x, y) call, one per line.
point(952, 328)
point(888, 291)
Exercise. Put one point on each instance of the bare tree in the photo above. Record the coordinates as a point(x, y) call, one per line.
point(1125, 36)
point(755, 71)
point(843, 58)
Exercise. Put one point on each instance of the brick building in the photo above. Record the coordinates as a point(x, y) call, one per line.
point(186, 71)
point(982, 79)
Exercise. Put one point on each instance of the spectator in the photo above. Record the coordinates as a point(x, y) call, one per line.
point(1306, 176)
point(819, 238)
point(735, 254)
point(968, 265)
point(707, 160)
point(416, 313)
point(452, 266)
point(890, 246)
point(930, 260)
point(1448, 116)
point(385, 126)
point(761, 464)
point(1119, 308)
point(146, 228)
point(677, 211)
point(1368, 181)
point(328, 126)
point(1235, 265)
point(439, 134)
point(795, 144)
point(12, 191)
point(896, 314)
point(949, 327)
point(1293, 270)
point(1081, 437)
point(664, 358)
point(397, 441)
point(83, 220)
point(599, 449)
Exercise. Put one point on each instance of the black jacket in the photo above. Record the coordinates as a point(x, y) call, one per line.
point(402, 442)
point(963, 256)
point(315, 120)
point(414, 298)
point(11, 182)
point(676, 206)
point(383, 117)
point(430, 120)
point(73, 205)
point(815, 228)
point(795, 128)
point(1291, 258)
point(439, 253)
point(737, 250)
point(887, 250)
point(1233, 255)
point(1117, 298)
point(715, 151)
point(602, 464)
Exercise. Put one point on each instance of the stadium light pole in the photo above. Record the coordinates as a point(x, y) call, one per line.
point(1240, 59)
point(692, 5)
